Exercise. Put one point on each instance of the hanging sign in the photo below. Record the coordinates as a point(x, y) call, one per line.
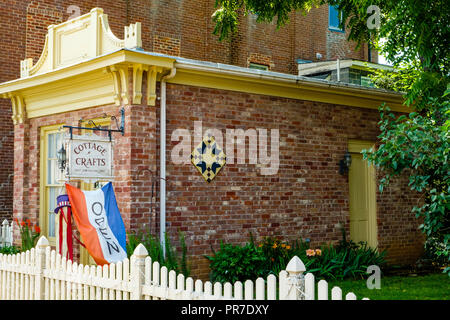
point(89, 158)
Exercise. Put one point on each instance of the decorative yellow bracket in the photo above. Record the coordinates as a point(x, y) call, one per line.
point(18, 108)
point(120, 74)
point(152, 73)
point(120, 78)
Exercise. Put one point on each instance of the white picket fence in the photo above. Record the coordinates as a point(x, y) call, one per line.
point(41, 273)
point(6, 234)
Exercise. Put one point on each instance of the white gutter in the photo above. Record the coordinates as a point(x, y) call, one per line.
point(303, 81)
point(162, 161)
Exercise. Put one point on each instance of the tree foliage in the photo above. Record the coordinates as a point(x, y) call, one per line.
point(419, 145)
point(227, 14)
point(414, 36)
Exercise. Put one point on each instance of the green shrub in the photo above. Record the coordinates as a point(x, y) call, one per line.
point(276, 253)
point(437, 251)
point(172, 260)
point(9, 250)
point(346, 259)
point(233, 263)
point(342, 262)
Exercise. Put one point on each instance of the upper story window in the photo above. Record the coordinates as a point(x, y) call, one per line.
point(258, 66)
point(334, 18)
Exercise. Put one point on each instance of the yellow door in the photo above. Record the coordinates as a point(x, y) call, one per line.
point(363, 221)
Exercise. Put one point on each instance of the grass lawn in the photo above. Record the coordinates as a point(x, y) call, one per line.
point(423, 287)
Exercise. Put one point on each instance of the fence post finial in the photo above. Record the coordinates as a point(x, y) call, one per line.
point(41, 245)
point(140, 251)
point(3, 233)
point(295, 266)
point(296, 279)
point(137, 262)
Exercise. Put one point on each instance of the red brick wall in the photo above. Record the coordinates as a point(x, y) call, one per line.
point(12, 46)
point(307, 198)
point(397, 225)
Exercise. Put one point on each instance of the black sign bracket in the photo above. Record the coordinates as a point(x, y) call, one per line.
point(95, 127)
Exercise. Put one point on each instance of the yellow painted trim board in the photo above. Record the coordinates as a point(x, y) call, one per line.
point(356, 146)
point(86, 91)
point(101, 62)
point(49, 93)
point(63, 73)
point(296, 90)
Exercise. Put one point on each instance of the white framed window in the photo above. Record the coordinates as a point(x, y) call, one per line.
point(51, 178)
point(366, 81)
point(258, 66)
point(334, 17)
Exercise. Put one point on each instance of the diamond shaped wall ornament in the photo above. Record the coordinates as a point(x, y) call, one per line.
point(208, 157)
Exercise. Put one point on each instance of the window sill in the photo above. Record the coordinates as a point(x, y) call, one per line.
point(336, 30)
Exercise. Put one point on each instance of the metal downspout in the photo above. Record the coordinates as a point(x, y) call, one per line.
point(162, 159)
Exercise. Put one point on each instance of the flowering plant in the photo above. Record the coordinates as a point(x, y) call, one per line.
point(277, 252)
point(312, 252)
point(28, 233)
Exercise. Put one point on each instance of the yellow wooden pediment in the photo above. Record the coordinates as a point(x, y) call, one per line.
point(80, 39)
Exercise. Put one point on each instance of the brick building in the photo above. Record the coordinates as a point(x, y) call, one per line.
point(80, 71)
point(188, 33)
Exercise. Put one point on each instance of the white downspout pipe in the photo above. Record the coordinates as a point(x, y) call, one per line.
point(162, 161)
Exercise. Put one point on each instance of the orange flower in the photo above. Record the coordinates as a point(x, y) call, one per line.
point(28, 222)
point(37, 229)
point(260, 245)
point(274, 246)
point(283, 245)
point(23, 223)
point(288, 247)
point(272, 259)
point(318, 252)
point(310, 252)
